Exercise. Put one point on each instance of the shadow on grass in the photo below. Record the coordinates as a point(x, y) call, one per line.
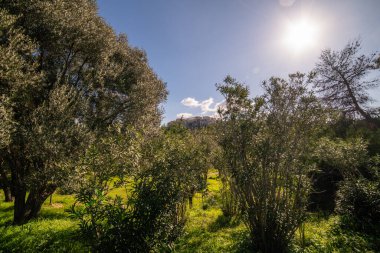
point(243, 242)
point(51, 214)
point(31, 239)
point(52, 231)
point(6, 214)
point(223, 222)
point(7, 209)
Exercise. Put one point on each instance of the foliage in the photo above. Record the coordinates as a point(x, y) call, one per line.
point(230, 203)
point(267, 143)
point(359, 192)
point(347, 156)
point(113, 156)
point(358, 199)
point(325, 234)
point(341, 79)
point(153, 215)
point(66, 77)
point(344, 158)
point(346, 128)
point(229, 200)
point(205, 231)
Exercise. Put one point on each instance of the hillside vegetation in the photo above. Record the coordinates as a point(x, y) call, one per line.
point(294, 169)
point(208, 230)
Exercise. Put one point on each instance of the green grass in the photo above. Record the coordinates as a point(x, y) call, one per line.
point(207, 230)
point(325, 234)
point(53, 231)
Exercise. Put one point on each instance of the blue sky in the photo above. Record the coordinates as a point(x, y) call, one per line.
point(193, 44)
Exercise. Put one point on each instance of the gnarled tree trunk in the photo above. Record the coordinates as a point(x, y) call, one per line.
point(26, 208)
point(29, 209)
point(35, 200)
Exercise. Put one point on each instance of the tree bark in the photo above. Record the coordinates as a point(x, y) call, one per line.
point(373, 123)
point(35, 200)
point(26, 209)
point(7, 194)
point(19, 206)
point(4, 182)
point(19, 188)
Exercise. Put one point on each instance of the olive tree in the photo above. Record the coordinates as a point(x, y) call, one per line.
point(17, 83)
point(267, 143)
point(72, 78)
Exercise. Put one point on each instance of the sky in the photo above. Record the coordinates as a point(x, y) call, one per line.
point(194, 44)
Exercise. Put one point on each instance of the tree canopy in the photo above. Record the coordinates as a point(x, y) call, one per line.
point(66, 77)
point(342, 80)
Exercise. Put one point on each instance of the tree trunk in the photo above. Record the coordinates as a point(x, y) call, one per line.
point(5, 185)
point(191, 202)
point(35, 200)
point(372, 122)
point(19, 189)
point(192, 193)
point(25, 211)
point(19, 207)
point(7, 194)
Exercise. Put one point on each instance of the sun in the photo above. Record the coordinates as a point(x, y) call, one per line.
point(300, 35)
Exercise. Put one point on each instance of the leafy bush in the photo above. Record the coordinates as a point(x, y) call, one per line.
point(337, 159)
point(358, 197)
point(149, 220)
point(154, 213)
point(360, 200)
point(267, 145)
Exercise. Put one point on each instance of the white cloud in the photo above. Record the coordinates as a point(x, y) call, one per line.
point(184, 115)
point(190, 102)
point(206, 106)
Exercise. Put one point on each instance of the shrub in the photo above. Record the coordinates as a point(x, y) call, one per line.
point(360, 201)
point(152, 218)
point(159, 184)
point(267, 145)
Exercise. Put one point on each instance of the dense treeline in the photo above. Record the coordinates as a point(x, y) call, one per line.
point(80, 113)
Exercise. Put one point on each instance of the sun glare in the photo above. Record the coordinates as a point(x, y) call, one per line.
point(300, 35)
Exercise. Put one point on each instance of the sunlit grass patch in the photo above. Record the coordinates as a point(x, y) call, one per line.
point(42, 235)
point(207, 230)
point(53, 231)
point(325, 234)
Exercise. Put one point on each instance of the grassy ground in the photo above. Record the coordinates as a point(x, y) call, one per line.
point(53, 231)
point(207, 230)
point(325, 234)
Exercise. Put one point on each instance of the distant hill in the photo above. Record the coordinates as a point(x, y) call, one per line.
point(195, 122)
